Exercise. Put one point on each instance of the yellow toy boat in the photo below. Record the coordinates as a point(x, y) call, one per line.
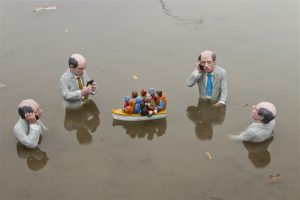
point(118, 114)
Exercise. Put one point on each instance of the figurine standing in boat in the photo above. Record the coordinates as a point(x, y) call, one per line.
point(146, 106)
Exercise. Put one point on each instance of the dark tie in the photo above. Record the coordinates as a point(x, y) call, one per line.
point(209, 85)
point(80, 85)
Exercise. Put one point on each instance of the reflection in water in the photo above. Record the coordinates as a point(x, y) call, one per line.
point(258, 153)
point(36, 159)
point(84, 120)
point(143, 128)
point(204, 116)
point(180, 20)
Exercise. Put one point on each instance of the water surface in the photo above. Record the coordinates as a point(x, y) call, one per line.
point(87, 155)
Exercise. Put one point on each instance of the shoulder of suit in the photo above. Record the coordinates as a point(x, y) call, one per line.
point(21, 123)
point(67, 75)
point(219, 69)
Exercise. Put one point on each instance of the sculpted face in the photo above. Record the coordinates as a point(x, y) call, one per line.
point(34, 105)
point(207, 61)
point(80, 69)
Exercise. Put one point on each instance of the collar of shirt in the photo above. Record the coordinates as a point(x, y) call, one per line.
point(76, 77)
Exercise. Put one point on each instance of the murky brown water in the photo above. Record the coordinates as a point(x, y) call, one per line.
point(90, 156)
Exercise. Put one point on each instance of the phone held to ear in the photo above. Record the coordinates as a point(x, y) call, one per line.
point(90, 82)
point(24, 110)
point(201, 67)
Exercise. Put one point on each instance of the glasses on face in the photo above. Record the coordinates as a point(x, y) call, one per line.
point(208, 62)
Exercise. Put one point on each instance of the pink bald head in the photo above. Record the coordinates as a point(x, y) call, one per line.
point(206, 55)
point(79, 58)
point(33, 104)
point(80, 69)
point(267, 105)
point(29, 102)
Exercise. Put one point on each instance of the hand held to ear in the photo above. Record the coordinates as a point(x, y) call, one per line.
point(30, 117)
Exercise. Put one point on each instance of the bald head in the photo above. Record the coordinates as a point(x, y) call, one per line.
point(29, 102)
point(268, 106)
point(207, 55)
point(76, 60)
point(28, 106)
point(77, 64)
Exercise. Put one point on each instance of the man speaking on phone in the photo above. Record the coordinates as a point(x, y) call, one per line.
point(75, 83)
point(29, 127)
point(211, 79)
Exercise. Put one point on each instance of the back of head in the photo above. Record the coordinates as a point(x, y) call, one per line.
point(269, 106)
point(267, 115)
point(134, 94)
point(151, 91)
point(76, 59)
point(143, 92)
point(27, 106)
point(267, 110)
point(159, 93)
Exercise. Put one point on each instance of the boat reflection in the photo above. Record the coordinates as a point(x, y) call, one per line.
point(142, 129)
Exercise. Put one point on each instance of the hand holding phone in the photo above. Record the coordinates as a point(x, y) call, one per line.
point(31, 118)
point(200, 67)
point(90, 82)
point(26, 112)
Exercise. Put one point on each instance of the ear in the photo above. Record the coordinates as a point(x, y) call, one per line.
point(261, 117)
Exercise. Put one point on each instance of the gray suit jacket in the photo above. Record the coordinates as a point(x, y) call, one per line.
point(29, 134)
point(256, 132)
point(219, 91)
point(70, 89)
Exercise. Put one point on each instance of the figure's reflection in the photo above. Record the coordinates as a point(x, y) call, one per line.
point(143, 128)
point(84, 120)
point(258, 153)
point(36, 159)
point(204, 115)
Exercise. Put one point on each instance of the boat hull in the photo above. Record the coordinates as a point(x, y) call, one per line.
point(118, 114)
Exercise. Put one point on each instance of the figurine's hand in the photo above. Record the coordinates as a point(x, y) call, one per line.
point(94, 87)
point(86, 90)
point(30, 117)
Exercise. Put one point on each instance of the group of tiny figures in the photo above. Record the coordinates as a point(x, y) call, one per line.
point(145, 104)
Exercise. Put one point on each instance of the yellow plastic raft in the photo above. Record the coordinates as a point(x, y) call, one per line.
point(118, 114)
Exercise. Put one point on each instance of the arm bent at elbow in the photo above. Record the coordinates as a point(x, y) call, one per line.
point(31, 140)
point(193, 78)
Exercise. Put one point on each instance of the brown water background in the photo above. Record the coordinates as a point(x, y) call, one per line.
point(90, 156)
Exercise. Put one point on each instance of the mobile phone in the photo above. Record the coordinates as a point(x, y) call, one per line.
point(90, 82)
point(24, 110)
point(201, 67)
